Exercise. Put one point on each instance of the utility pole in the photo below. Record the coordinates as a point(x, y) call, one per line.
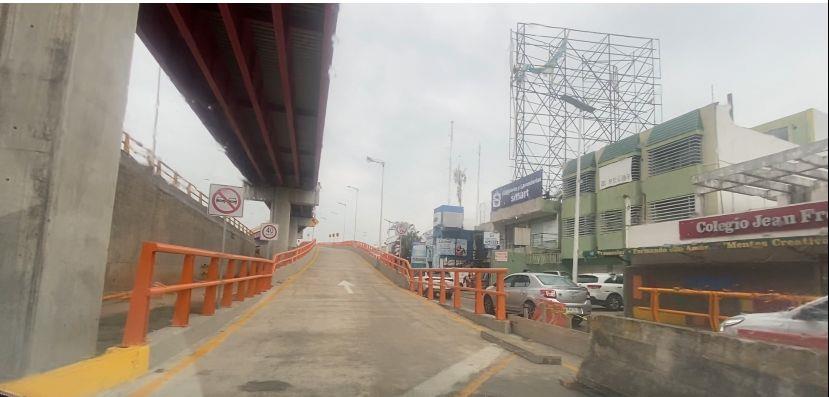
point(451, 137)
point(155, 121)
point(478, 190)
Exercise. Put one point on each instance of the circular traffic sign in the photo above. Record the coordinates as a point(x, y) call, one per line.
point(226, 201)
point(269, 232)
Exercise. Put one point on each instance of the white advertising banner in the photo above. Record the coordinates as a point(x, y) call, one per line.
point(491, 240)
point(445, 246)
point(615, 173)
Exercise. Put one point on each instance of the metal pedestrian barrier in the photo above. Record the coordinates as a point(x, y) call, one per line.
point(243, 277)
point(486, 300)
point(713, 298)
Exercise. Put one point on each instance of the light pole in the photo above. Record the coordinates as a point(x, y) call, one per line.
point(382, 175)
point(345, 213)
point(585, 108)
point(356, 200)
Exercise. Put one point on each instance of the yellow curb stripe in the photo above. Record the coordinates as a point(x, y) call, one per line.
point(493, 369)
point(217, 340)
point(87, 377)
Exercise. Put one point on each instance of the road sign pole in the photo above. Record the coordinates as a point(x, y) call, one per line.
point(224, 231)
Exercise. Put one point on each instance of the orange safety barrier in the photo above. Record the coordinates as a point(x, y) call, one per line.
point(477, 275)
point(415, 279)
point(552, 313)
point(243, 277)
point(713, 315)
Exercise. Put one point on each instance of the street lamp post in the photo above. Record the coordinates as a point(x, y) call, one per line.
point(345, 213)
point(382, 175)
point(584, 108)
point(356, 208)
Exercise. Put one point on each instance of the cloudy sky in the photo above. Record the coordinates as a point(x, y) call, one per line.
point(401, 72)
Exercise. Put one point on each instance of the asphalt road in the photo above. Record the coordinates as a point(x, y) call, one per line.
point(319, 336)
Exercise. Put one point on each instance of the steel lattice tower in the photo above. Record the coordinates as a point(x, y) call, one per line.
point(617, 75)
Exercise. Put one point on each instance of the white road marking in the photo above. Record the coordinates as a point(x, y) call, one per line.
point(444, 382)
point(347, 286)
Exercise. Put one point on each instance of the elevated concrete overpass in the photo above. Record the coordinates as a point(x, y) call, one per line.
point(256, 75)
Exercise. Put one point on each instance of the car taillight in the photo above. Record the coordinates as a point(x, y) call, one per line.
point(548, 293)
point(593, 286)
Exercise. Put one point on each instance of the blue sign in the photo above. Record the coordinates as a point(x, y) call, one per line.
point(521, 190)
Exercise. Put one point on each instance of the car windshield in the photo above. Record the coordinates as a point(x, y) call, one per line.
point(555, 281)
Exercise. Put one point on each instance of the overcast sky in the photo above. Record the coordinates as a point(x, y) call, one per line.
point(401, 72)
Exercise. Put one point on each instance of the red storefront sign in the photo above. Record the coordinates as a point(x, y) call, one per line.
point(792, 217)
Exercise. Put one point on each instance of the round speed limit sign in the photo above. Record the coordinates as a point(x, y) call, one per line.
point(269, 231)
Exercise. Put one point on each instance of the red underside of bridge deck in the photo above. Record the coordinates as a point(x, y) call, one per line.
point(257, 77)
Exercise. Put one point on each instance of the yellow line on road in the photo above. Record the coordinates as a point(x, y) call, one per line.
point(493, 369)
point(217, 340)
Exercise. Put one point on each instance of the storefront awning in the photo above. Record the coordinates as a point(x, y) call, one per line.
point(774, 177)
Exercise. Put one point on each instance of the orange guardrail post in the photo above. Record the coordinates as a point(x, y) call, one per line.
point(138, 317)
point(181, 312)
point(420, 282)
point(240, 285)
point(479, 294)
point(227, 289)
point(456, 294)
point(655, 305)
point(441, 290)
point(501, 298)
point(209, 305)
point(431, 286)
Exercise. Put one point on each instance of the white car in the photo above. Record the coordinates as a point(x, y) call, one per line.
point(805, 326)
point(606, 289)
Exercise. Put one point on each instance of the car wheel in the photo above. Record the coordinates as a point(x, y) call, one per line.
point(489, 307)
point(529, 309)
point(576, 321)
point(614, 302)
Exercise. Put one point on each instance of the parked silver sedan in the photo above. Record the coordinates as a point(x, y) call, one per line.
point(526, 291)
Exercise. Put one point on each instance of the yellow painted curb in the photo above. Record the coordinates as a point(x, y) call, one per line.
point(85, 378)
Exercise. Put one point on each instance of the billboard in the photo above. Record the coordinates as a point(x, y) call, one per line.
point(491, 240)
point(521, 190)
point(778, 219)
point(616, 173)
point(451, 246)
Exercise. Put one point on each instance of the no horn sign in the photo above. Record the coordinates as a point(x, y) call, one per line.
point(226, 201)
point(269, 231)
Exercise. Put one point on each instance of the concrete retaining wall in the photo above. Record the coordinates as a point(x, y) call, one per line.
point(639, 358)
point(564, 339)
point(147, 208)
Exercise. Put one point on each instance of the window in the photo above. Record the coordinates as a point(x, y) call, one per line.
point(587, 226)
point(585, 278)
point(615, 279)
point(509, 280)
point(635, 214)
point(521, 281)
point(671, 209)
point(675, 155)
point(555, 281)
point(588, 184)
point(610, 221)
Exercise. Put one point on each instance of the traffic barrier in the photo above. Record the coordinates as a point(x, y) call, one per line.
point(552, 313)
point(416, 281)
point(243, 277)
point(713, 298)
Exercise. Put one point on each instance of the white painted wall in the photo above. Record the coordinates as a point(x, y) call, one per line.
point(737, 144)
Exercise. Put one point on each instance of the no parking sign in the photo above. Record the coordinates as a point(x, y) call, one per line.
point(226, 201)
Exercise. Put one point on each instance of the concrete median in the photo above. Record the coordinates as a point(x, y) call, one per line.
point(632, 357)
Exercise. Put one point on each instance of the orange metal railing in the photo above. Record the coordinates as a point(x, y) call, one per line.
point(417, 277)
point(243, 277)
point(713, 297)
point(139, 152)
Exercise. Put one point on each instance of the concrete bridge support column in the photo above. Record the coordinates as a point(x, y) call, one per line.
point(293, 236)
point(64, 71)
point(281, 215)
